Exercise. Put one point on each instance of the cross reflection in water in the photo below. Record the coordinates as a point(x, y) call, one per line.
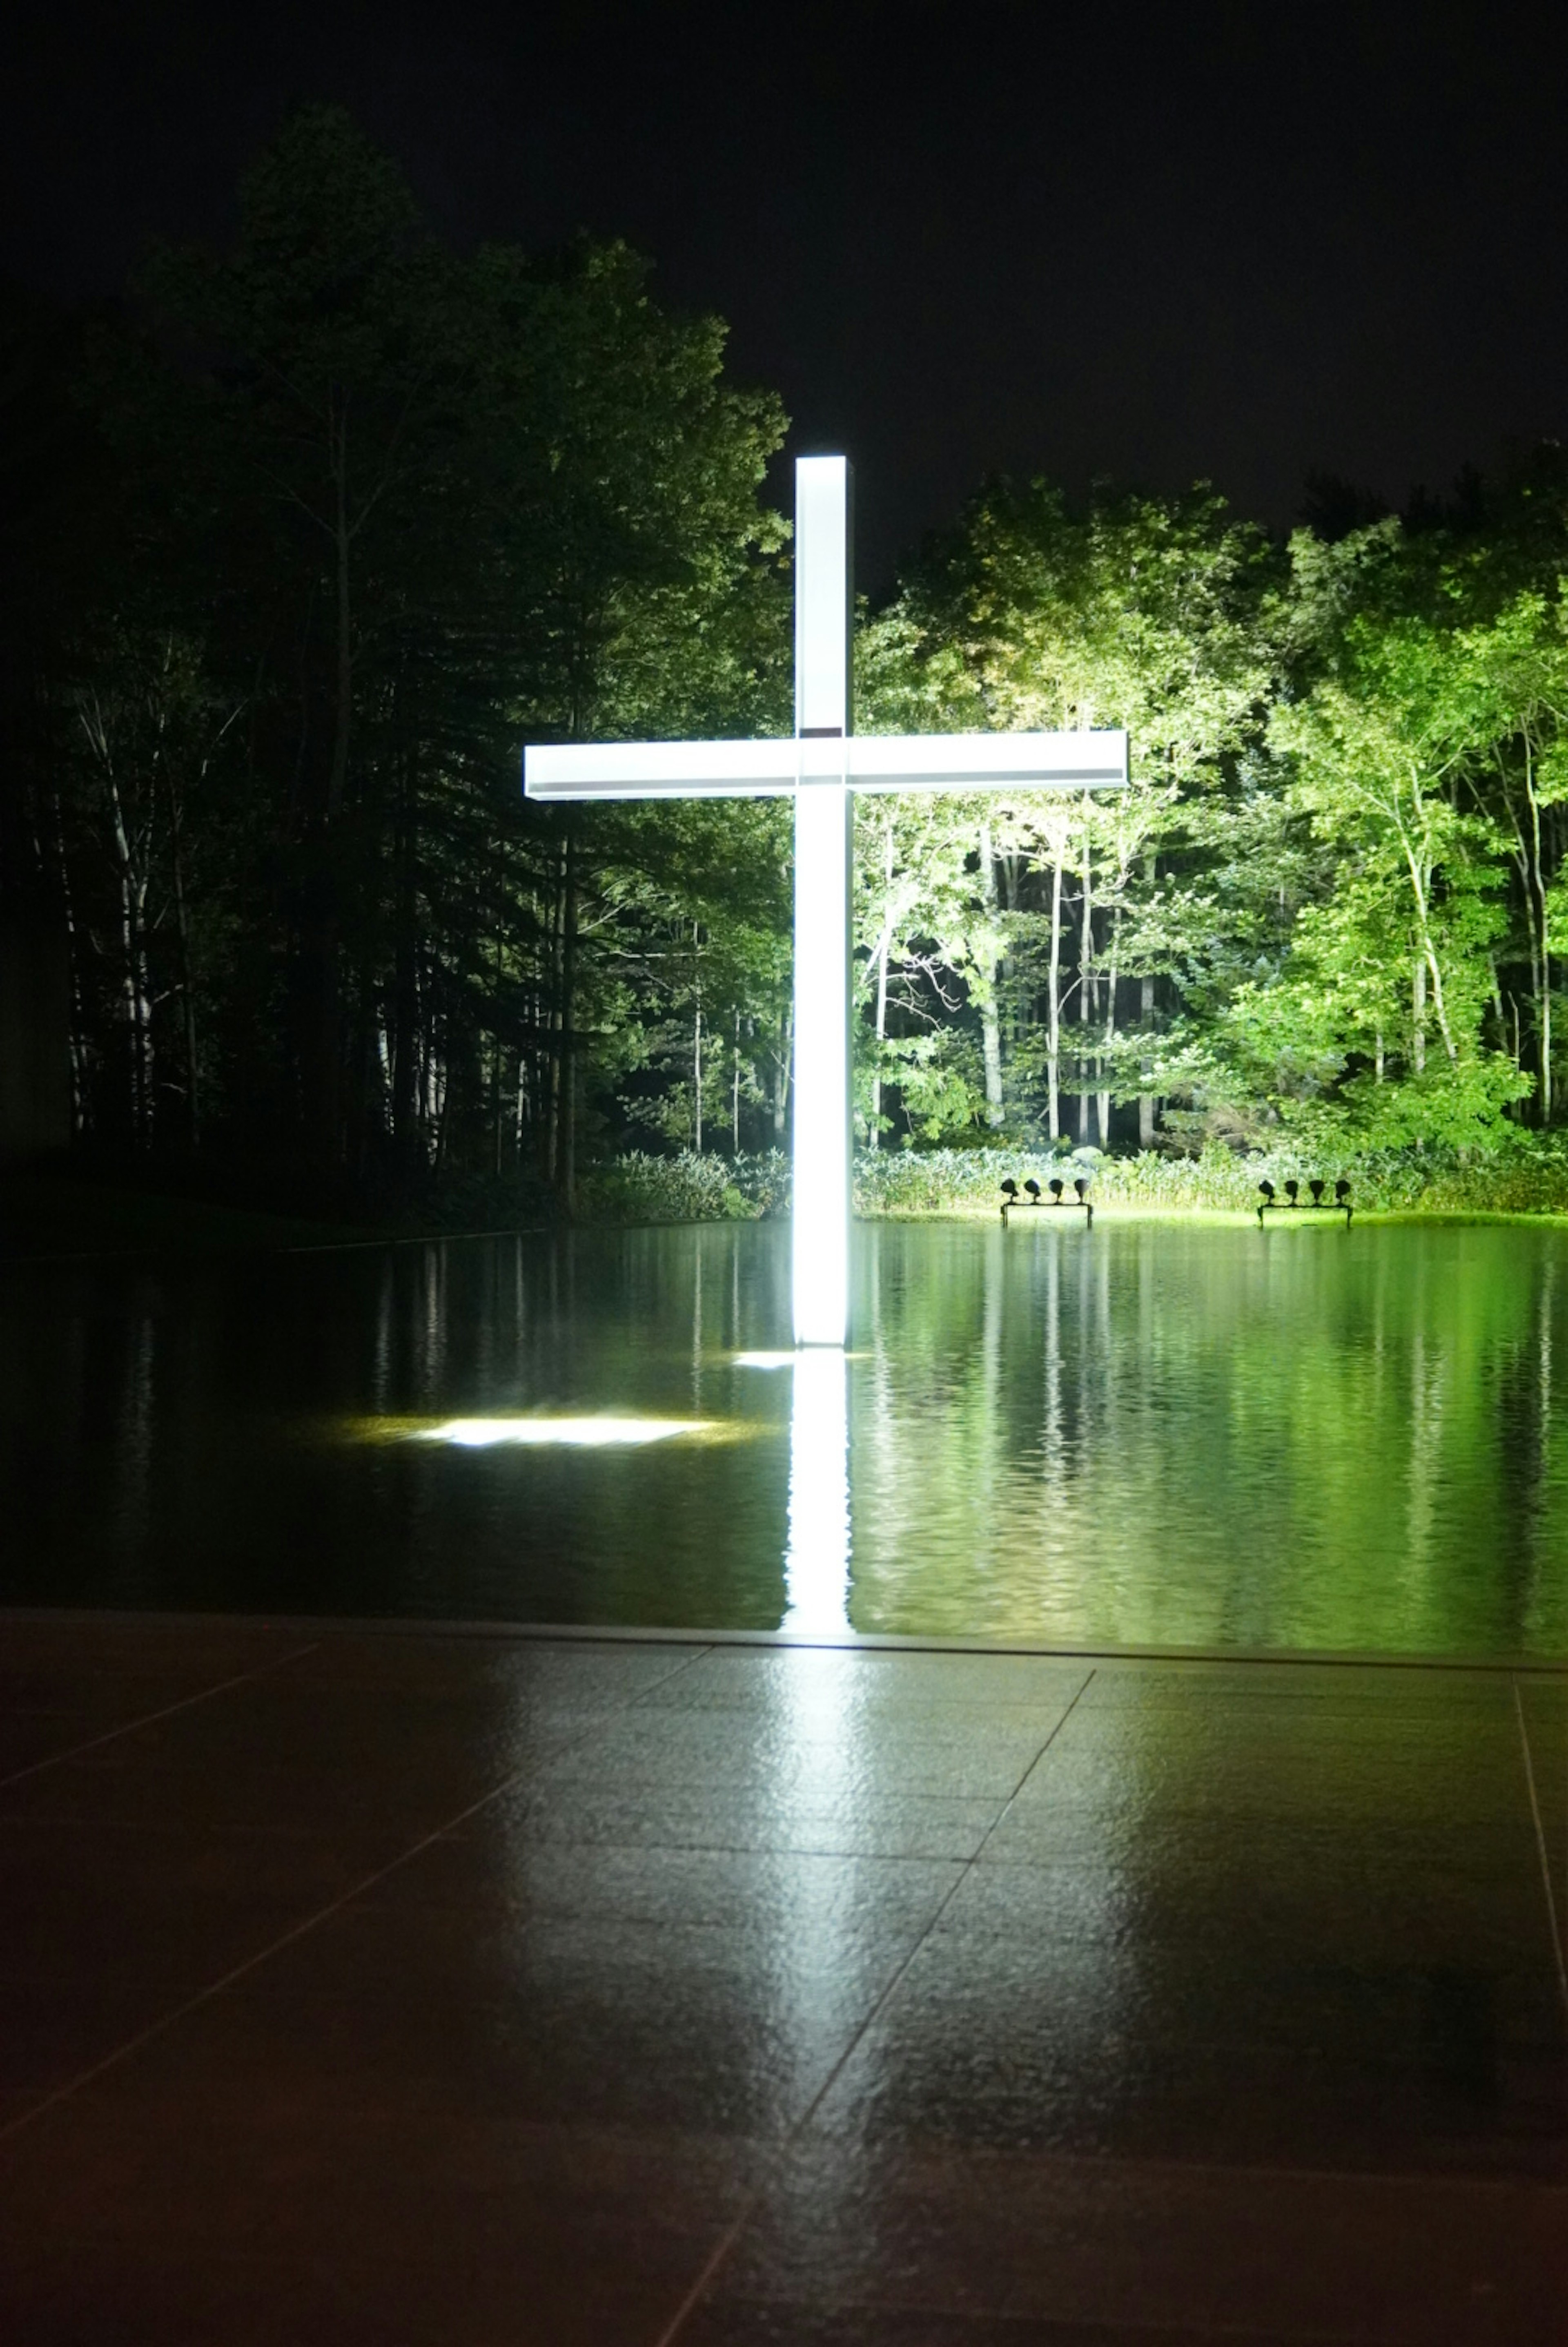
point(816, 1553)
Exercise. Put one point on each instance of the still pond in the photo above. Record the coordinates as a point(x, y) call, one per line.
point(1149, 1434)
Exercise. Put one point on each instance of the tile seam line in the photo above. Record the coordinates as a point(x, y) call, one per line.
point(309, 1923)
point(870, 1642)
point(150, 1718)
point(715, 2262)
point(1559, 1957)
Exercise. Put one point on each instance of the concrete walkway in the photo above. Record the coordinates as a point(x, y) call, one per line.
point(364, 1985)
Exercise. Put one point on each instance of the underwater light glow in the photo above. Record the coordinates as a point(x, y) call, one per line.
point(580, 1433)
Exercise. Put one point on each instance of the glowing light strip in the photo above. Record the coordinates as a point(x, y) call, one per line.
point(824, 595)
point(988, 761)
point(872, 762)
point(646, 770)
point(823, 852)
point(820, 1257)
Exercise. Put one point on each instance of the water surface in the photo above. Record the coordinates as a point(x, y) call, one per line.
point(1152, 1433)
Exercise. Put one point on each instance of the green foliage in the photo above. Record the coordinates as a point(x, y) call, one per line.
point(387, 513)
point(302, 548)
point(1329, 904)
point(1529, 1174)
point(687, 1188)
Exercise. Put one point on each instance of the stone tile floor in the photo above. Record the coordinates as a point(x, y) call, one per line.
point(363, 1984)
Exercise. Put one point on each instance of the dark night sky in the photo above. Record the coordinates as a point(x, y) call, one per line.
point(1240, 241)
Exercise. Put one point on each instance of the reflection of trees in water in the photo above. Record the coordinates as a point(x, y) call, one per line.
point(1176, 1436)
point(1162, 1434)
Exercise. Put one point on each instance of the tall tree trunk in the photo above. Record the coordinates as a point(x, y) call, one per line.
point(187, 989)
point(555, 1079)
point(1087, 999)
point(991, 977)
point(1102, 1098)
point(781, 1074)
point(405, 978)
point(1145, 1099)
point(1053, 1003)
point(1543, 910)
point(1525, 857)
point(1418, 1015)
point(74, 965)
point(566, 1158)
point(697, 1079)
point(884, 948)
point(1420, 877)
point(735, 1094)
point(133, 990)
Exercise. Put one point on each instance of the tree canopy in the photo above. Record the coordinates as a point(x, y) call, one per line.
point(307, 537)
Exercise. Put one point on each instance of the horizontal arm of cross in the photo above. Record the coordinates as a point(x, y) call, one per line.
point(868, 761)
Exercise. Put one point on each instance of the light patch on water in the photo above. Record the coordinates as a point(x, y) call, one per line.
point(579, 1434)
point(817, 1561)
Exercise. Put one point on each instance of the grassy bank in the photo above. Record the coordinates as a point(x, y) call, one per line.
point(1531, 1178)
point(57, 1215)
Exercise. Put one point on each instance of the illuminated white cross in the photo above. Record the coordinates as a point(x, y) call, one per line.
point(819, 769)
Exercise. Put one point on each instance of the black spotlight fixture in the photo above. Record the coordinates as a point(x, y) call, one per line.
point(1011, 1197)
point(1266, 1199)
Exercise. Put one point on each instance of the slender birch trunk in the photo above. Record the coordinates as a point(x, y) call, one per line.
point(568, 1151)
point(1419, 879)
point(1102, 1098)
point(186, 991)
point(1087, 999)
point(990, 1011)
point(884, 949)
point(1540, 979)
point(1053, 1003)
point(135, 993)
point(781, 1074)
point(697, 1079)
point(735, 1095)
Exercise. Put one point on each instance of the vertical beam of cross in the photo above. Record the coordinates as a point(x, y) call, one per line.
point(823, 719)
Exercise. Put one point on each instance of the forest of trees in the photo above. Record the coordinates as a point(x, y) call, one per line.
point(303, 541)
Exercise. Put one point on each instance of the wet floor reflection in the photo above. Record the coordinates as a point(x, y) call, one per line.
point(1152, 1433)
